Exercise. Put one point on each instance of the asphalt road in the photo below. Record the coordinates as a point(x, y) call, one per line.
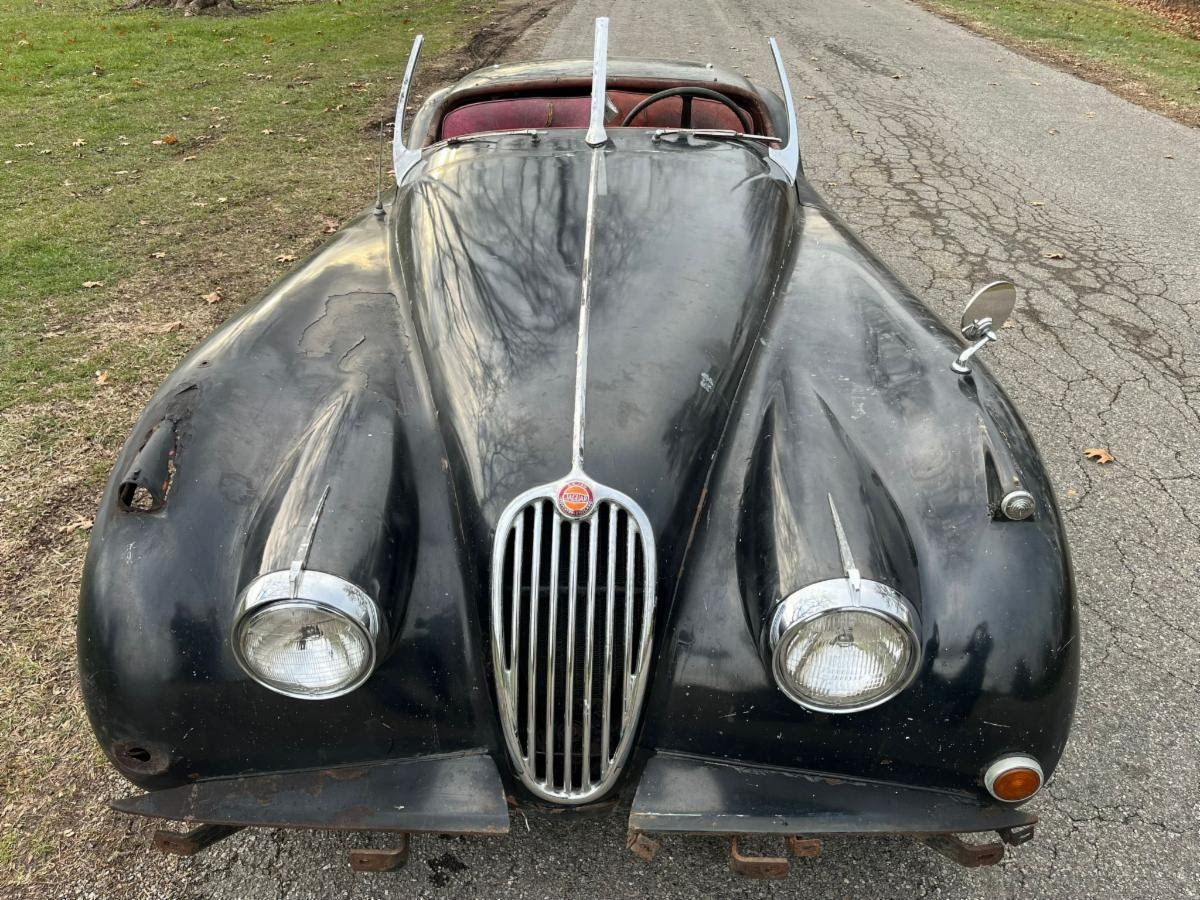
point(975, 163)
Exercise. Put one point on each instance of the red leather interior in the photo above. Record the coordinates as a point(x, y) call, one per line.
point(510, 113)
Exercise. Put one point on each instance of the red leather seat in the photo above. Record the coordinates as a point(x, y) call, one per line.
point(511, 113)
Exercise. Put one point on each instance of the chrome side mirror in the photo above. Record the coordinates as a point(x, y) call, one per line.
point(988, 310)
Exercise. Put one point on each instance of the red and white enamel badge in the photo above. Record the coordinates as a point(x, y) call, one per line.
point(575, 499)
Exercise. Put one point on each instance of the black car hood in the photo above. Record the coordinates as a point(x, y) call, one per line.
point(688, 247)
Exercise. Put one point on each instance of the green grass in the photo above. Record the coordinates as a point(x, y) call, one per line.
point(1127, 41)
point(311, 73)
point(259, 167)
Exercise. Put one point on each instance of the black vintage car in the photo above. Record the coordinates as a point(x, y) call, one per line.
point(599, 461)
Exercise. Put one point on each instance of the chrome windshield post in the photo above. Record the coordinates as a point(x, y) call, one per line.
point(788, 155)
point(404, 157)
point(596, 135)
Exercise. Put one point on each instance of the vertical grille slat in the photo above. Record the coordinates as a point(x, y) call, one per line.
point(514, 634)
point(610, 603)
point(551, 643)
point(569, 692)
point(589, 642)
point(627, 657)
point(531, 670)
point(574, 610)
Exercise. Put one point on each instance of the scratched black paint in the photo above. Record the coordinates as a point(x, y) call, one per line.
point(748, 358)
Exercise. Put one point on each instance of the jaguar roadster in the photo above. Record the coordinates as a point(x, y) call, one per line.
point(599, 464)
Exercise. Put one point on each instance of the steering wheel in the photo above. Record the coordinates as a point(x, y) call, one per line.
point(687, 93)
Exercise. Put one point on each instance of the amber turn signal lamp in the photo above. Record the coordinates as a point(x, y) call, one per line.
point(1013, 779)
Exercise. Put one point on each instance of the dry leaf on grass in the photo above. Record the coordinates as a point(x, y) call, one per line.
point(83, 522)
point(93, 284)
point(158, 254)
point(166, 139)
point(1099, 454)
point(102, 377)
point(214, 297)
point(331, 225)
point(78, 142)
point(1054, 254)
point(166, 329)
point(285, 257)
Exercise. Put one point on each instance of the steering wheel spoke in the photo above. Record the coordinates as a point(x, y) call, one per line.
point(688, 94)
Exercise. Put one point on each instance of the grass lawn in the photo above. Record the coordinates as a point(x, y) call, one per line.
point(156, 173)
point(1136, 53)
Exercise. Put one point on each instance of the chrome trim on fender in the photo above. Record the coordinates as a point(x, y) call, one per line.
point(312, 589)
point(1018, 505)
point(403, 156)
point(787, 156)
point(1006, 764)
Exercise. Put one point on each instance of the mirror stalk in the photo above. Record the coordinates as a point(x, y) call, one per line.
point(982, 327)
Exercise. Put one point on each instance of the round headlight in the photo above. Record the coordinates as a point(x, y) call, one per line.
point(836, 649)
point(321, 643)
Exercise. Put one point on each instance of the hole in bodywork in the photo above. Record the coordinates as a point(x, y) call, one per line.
point(147, 480)
point(140, 757)
point(136, 498)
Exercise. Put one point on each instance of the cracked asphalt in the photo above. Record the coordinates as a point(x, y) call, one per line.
point(975, 163)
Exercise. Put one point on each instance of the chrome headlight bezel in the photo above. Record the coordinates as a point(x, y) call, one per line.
point(317, 591)
point(841, 595)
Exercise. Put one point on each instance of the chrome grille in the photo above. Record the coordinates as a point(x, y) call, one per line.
point(572, 614)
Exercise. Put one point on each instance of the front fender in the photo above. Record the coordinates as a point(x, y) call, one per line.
point(318, 385)
point(851, 397)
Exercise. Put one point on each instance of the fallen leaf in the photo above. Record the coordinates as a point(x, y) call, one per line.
point(102, 377)
point(285, 257)
point(331, 225)
point(170, 139)
point(159, 255)
point(214, 297)
point(1099, 454)
point(78, 142)
point(1037, 203)
point(188, 158)
point(93, 284)
point(1054, 254)
point(82, 523)
point(222, 199)
point(267, 131)
point(166, 329)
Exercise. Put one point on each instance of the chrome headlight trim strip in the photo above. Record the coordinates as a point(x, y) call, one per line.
point(315, 590)
point(842, 595)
